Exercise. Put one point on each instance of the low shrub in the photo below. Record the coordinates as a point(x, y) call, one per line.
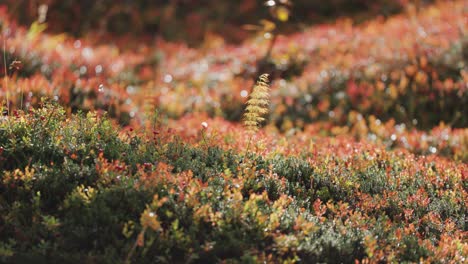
point(75, 189)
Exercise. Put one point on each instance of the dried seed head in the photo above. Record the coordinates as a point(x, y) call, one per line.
point(258, 103)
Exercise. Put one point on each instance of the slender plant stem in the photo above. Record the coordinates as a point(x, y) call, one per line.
point(5, 78)
point(203, 136)
point(132, 250)
point(21, 102)
point(270, 47)
point(248, 146)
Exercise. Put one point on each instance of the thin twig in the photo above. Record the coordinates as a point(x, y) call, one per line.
point(5, 77)
point(132, 250)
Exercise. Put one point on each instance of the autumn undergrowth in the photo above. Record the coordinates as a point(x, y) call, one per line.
point(75, 189)
point(357, 153)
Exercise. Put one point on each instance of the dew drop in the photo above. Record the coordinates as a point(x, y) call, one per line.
point(87, 53)
point(77, 44)
point(98, 69)
point(324, 74)
point(340, 95)
point(167, 78)
point(445, 136)
point(130, 89)
point(83, 70)
point(244, 93)
point(101, 88)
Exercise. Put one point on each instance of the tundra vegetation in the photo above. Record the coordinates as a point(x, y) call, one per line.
point(255, 132)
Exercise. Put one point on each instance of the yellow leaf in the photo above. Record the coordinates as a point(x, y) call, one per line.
point(282, 13)
point(267, 25)
point(35, 29)
point(251, 27)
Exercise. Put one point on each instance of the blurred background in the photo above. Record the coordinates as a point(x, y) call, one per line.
point(350, 64)
point(190, 20)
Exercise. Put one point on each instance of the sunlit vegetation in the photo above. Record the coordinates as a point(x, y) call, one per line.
point(336, 142)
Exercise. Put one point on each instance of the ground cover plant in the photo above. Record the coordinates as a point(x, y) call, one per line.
point(342, 142)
